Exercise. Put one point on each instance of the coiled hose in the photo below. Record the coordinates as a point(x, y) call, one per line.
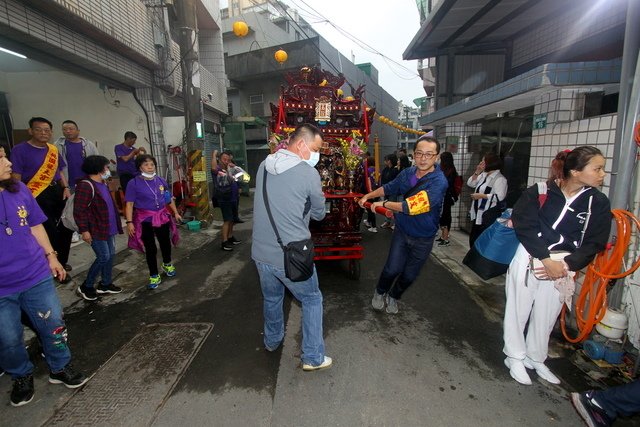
point(604, 267)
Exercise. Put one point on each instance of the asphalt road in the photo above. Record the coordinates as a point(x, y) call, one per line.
point(438, 362)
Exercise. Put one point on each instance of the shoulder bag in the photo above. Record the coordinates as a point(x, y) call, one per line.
point(298, 255)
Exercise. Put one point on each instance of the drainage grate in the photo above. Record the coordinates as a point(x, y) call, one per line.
point(132, 386)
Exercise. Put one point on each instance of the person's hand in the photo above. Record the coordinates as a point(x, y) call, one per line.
point(480, 167)
point(141, 150)
point(66, 193)
point(131, 229)
point(86, 236)
point(178, 218)
point(56, 268)
point(375, 205)
point(552, 269)
point(478, 196)
point(363, 200)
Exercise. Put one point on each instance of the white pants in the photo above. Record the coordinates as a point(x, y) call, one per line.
point(528, 299)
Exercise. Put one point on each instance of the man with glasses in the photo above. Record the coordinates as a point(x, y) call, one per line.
point(417, 222)
point(39, 165)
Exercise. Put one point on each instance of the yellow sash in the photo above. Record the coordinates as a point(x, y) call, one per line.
point(44, 176)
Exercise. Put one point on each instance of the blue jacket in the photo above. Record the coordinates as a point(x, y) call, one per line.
point(419, 219)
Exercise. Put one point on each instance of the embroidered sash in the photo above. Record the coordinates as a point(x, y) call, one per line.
point(44, 176)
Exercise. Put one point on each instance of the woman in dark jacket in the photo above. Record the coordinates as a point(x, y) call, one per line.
point(451, 196)
point(389, 173)
point(575, 218)
point(98, 222)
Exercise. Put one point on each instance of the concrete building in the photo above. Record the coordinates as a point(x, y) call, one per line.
point(526, 80)
point(110, 66)
point(256, 78)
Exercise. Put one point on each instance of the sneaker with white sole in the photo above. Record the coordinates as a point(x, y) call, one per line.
point(392, 305)
point(22, 391)
point(542, 370)
point(108, 289)
point(325, 364)
point(589, 410)
point(154, 281)
point(69, 377)
point(169, 269)
point(87, 293)
point(443, 243)
point(377, 302)
point(373, 229)
point(517, 370)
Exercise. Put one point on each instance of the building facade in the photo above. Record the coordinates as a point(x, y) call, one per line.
point(110, 66)
point(527, 80)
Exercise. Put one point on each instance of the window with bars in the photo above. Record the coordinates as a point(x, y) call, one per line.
point(256, 103)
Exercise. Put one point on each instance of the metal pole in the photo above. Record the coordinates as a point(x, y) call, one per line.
point(624, 152)
point(193, 108)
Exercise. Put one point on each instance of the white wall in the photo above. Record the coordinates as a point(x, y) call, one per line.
point(173, 128)
point(59, 96)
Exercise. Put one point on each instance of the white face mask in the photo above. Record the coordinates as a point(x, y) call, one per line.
point(148, 175)
point(106, 174)
point(314, 157)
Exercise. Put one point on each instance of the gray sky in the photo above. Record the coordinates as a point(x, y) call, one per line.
point(386, 26)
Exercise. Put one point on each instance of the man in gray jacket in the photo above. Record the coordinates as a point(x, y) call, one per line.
point(295, 197)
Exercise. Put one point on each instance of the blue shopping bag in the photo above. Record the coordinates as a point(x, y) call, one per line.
point(494, 249)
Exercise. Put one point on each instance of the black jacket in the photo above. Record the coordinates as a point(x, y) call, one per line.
point(535, 228)
point(388, 174)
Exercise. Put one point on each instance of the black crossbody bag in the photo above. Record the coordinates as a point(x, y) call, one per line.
point(298, 256)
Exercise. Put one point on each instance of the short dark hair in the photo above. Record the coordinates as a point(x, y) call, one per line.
point(492, 162)
point(41, 120)
point(306, 131)
point(428, 138)
point(392, 158)
point(70, 122)
point(143, 158)
point(94, 165)
point(404, 161)
point(128, 134)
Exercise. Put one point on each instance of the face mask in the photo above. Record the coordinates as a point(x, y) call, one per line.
point(148, 175)
point(106, 174)
point(314, 157)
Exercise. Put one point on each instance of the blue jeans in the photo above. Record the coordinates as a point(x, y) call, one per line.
point(406, 257)
point(105, 251)
point(622, 400)
point(40, 303)
point(273, 282)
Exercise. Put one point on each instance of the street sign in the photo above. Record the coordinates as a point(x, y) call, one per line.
point(540, 121)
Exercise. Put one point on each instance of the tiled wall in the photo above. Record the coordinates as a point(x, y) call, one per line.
point(464, 162)
point(568, 28)
point(563, 131)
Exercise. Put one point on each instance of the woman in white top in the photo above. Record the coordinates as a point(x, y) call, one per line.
point(490, 189)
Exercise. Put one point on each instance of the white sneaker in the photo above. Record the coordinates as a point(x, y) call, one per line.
point(373, 229)
point(325, 364)
point(75, 238)
point(517, 370)
point(542, 370)
point(392, 305)
point(366, 223)
point(377, 302)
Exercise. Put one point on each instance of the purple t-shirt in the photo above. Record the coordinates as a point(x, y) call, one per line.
point(122, 166)
point(75, 157)
point(106, 195)
point(147, 194)
point(27, 159)
point(25, 264)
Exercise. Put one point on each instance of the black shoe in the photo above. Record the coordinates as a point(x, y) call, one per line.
point(234, 240)
point(22, 392)
point(108, 289)
point(87, 293)
point(591, 413)
point(443, 243)
point(69, 377)
point(238, 221)
point(68, 267)
point(226, 246)
point(439, 239)
point(66, 280)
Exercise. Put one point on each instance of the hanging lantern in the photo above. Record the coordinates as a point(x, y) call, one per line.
point(323, 82)
point(381, 118)
point(280, 56)
point(339, 92)
point(240, 28)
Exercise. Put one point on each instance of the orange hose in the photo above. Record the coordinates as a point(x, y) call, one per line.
point(606, 265)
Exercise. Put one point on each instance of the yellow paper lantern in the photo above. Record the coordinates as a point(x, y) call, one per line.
point(240, 28)
point(323, 82)
point(280, 56)
point(339, 92)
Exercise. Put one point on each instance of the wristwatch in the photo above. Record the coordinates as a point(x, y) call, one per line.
point(384, 204)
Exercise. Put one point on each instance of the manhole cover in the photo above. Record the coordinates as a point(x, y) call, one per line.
point(130, 388)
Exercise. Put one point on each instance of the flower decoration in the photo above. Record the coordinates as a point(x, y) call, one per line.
point(353, 149)
point(276, 142)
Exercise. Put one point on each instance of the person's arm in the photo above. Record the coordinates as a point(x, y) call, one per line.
point(500, 188)
point(214, 160)
point(128, 215)
point(526, 223)
point(595, 237)
point(40, 235)
point(316, 197)
point(66, 192)
point(83, 197)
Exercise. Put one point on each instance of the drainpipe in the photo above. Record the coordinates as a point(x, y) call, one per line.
point(624, 154)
